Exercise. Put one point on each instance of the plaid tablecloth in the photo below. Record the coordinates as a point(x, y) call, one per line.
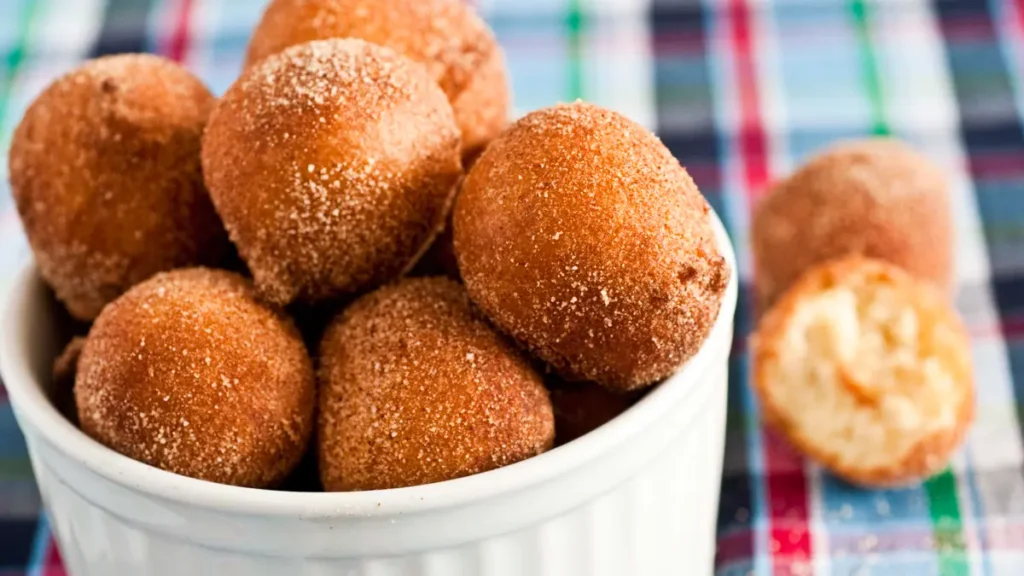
point(741, 91)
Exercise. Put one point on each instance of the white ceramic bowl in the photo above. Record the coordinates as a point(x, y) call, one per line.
point(638, 496)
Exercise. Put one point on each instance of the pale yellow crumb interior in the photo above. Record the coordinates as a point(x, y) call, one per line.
point(862, 378)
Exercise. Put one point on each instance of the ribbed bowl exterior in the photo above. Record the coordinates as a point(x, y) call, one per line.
point(658, 521)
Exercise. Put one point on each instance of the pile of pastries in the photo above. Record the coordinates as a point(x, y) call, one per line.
point(258, 272)
point(860, 361)
point(351, 255)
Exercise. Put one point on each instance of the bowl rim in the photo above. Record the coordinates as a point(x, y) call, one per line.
point(32, 404)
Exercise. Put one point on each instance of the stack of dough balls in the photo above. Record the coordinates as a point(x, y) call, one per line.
point(860, 361)
point(331, 164)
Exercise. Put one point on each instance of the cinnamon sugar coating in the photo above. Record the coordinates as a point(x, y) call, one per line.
point(877, 198)
point(332, 165)
point(415, 388)
point(189, 373)
point(581, 236)
point(105, 172)
point(445, 36)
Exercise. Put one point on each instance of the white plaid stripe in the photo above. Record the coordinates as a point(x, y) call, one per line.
point(618, 65)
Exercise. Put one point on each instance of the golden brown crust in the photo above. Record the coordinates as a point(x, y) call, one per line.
point(482, 108)
point(416, 388)
point(189, 373)
point(448, 38)
point(581, 236)
point(878, 198)
point(932, 452)
point(105, 172)
point(332, 164)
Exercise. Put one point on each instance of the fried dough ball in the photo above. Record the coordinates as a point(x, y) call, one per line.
point(332, 165)
point(456, 47)
point(63, 372)
point(439, 258)
point(581, 236)
point(189, 373)
point(105, 172)
point(878, 198)
point(416, 388)
point(582, 407)
point(866, 370)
